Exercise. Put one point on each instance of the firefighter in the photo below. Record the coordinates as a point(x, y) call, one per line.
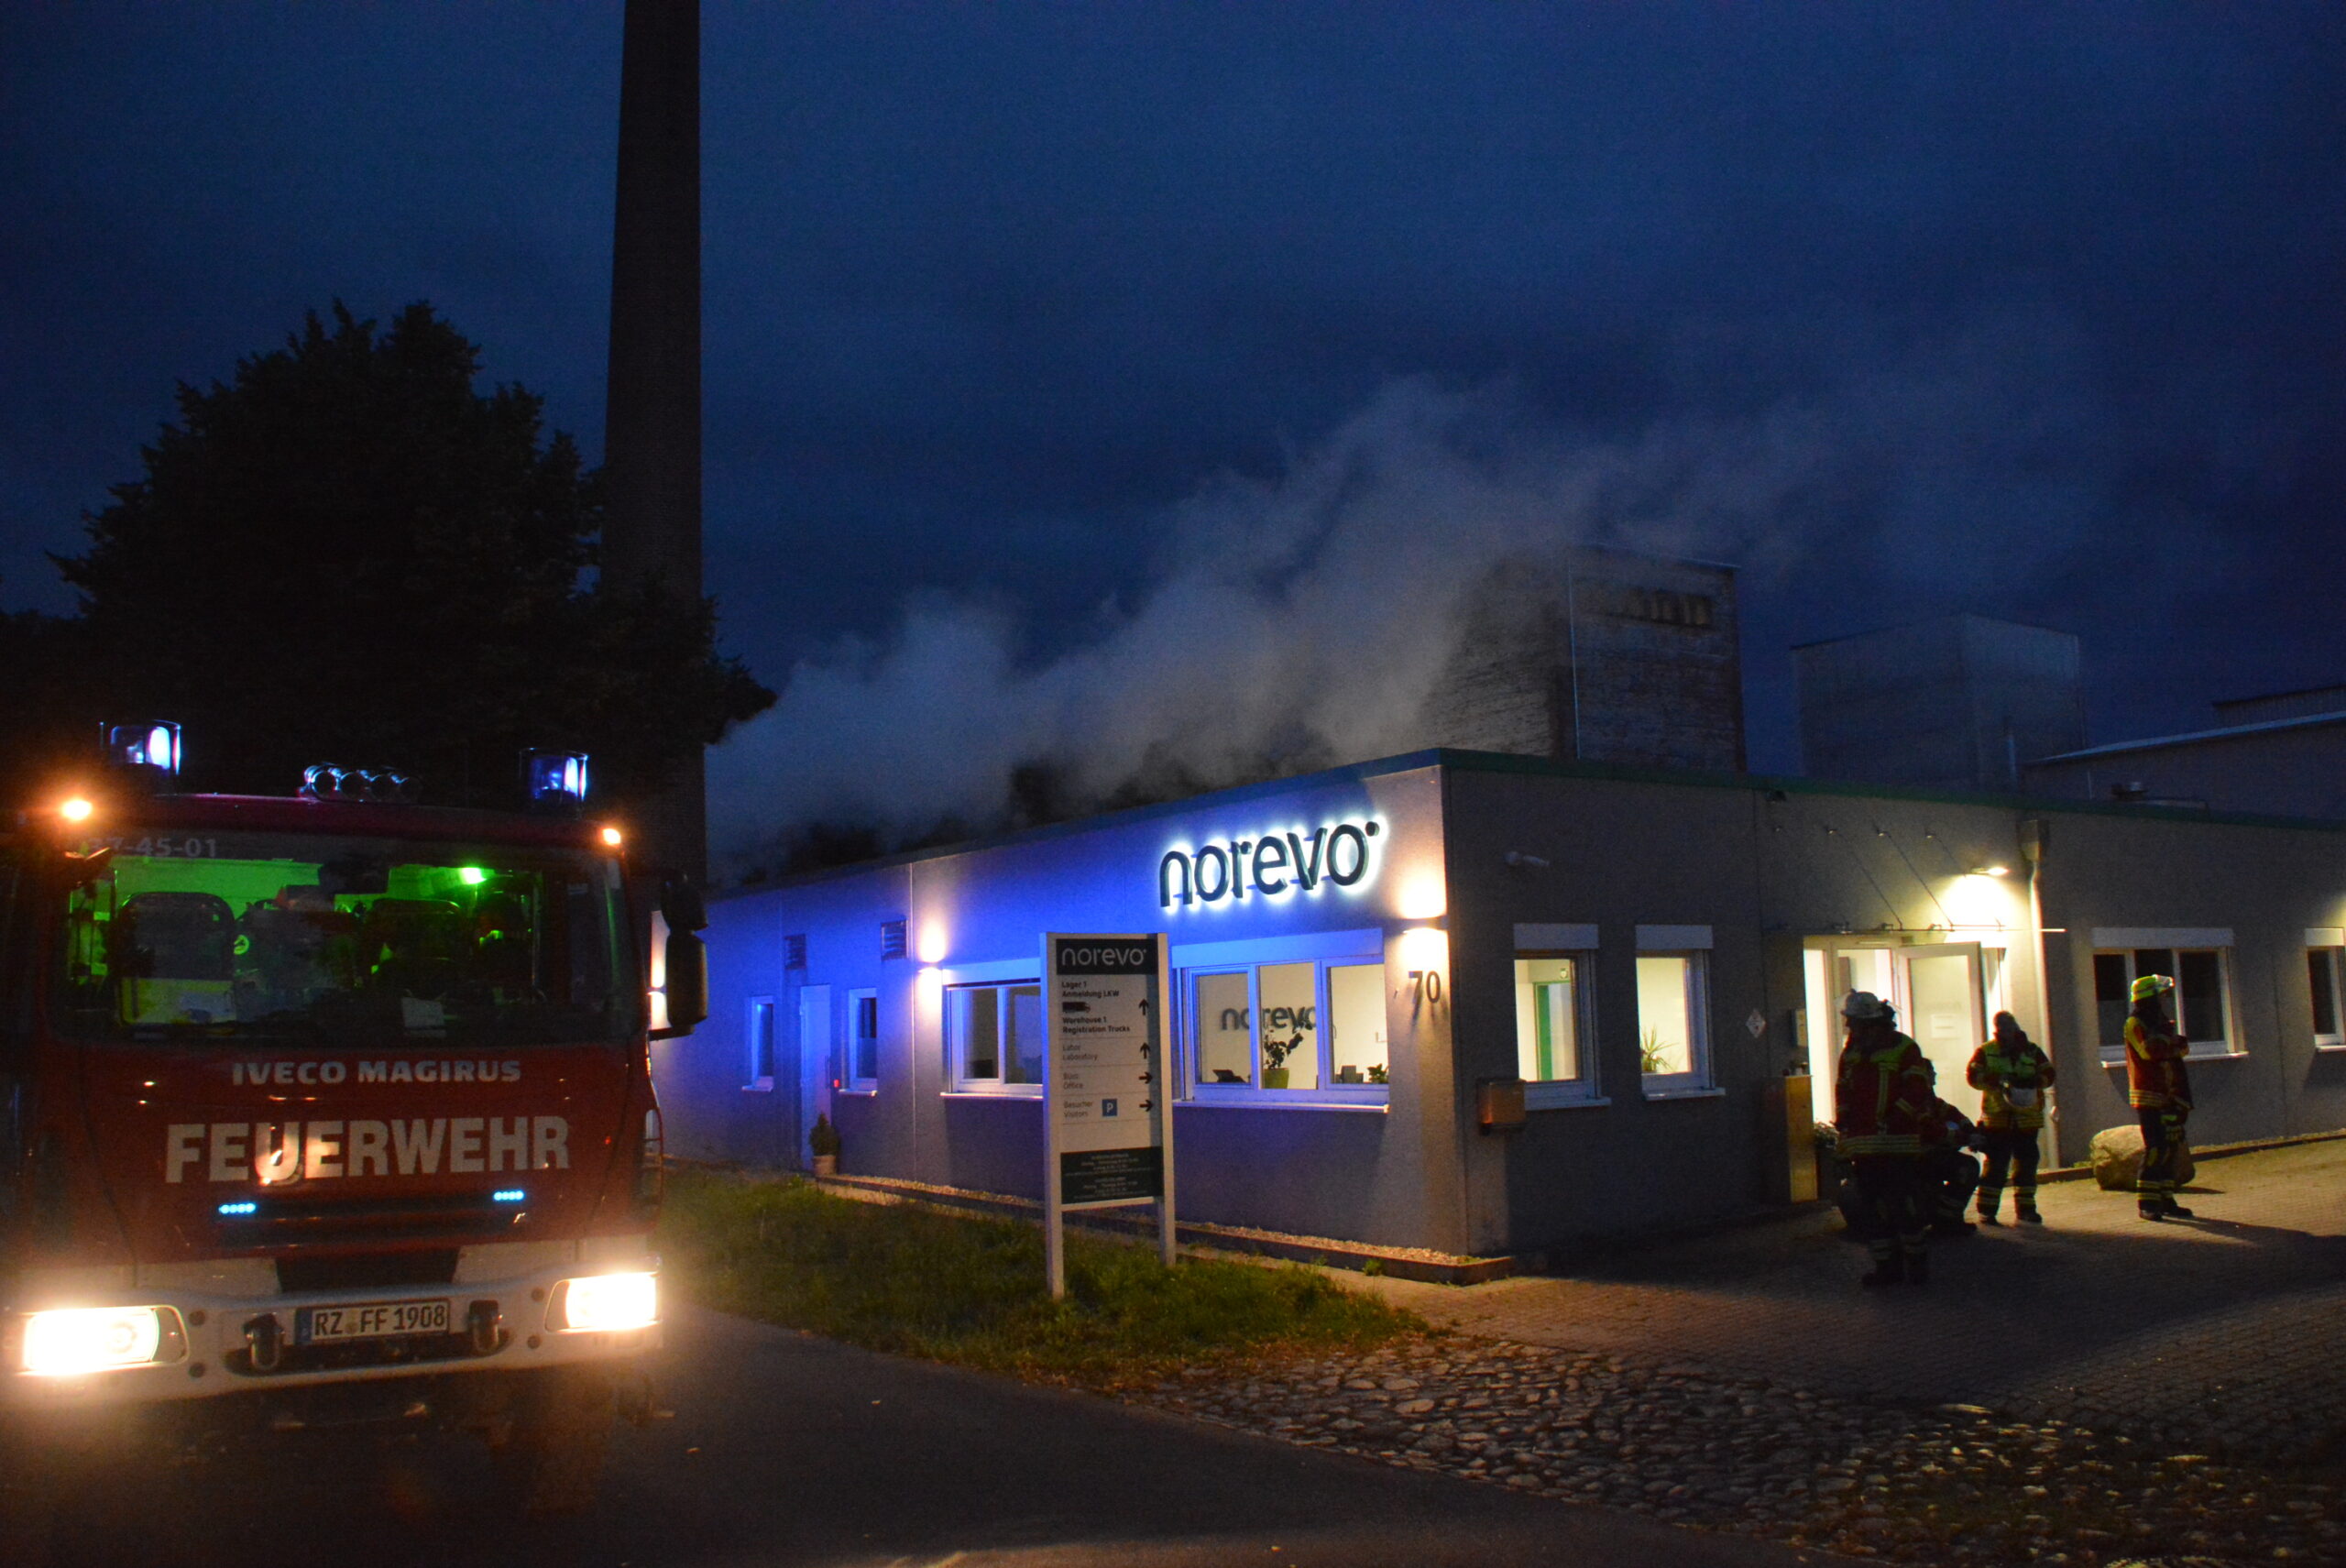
point(2159, 1087)
point(1882, 1100)
point(2012, 1073)
point(1950, 1174)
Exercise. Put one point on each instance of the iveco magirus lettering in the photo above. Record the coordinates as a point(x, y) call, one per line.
point(334, 1089)
point(1272, 864)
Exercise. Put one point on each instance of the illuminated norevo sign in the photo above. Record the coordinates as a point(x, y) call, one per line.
point(1276, 865)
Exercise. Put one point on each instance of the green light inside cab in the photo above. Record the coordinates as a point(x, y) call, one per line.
point(471, 876)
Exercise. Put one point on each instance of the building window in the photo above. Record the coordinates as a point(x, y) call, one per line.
point(1309, 1028)
point(993, 1037)
point(863, 1041)
point(1555, 1032)
point(2322, 970)
point(1673, 1034)
point(2200, 1005)
point(761, 1042)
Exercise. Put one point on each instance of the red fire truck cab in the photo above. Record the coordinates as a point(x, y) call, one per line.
point(321, 1108)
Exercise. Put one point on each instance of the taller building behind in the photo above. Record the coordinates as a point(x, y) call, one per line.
point(1597, 656)
point(1961, 702)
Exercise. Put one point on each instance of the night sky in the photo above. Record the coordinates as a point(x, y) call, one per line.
point(1044, 344)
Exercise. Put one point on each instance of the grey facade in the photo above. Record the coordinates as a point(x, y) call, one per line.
point(1961, 702)
point(2282, 755)
point(1733, 910)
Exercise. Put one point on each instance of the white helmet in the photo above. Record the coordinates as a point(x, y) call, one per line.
point(1859, 1006)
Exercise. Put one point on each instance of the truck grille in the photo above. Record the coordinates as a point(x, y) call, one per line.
point(278, 1221)
point(366, 1270)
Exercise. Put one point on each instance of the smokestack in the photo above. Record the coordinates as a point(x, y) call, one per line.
point(651, 417)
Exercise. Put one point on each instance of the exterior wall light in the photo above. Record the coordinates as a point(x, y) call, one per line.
point(1423, 897)
point(1991, 871)
point(933, 946)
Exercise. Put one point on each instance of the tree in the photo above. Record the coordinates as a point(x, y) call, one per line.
point(346, 554)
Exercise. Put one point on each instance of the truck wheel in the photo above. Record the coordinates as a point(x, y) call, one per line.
point(561, 1428)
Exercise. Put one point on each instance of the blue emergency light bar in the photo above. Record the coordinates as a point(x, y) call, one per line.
point(508, 1195)
point(238, 1211)
point(155, 746)
point(555, 779)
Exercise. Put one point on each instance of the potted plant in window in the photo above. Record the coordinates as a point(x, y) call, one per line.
point(823, 1143)
point(1275, 1054)
point(1652, 1055)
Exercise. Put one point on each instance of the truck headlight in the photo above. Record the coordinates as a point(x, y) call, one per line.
point(69, 1342)
point(605, 1303)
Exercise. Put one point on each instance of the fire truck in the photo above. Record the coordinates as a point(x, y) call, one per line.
point(333, 1107)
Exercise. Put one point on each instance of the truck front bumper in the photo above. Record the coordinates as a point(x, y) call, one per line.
point(509, 1310)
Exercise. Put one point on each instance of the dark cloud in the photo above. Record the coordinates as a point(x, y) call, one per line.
point(2045, 298)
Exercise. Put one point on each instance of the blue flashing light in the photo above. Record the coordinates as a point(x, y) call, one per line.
point(238, 1211)
point(555, 778)
point(508, 1195)
point(155, 746)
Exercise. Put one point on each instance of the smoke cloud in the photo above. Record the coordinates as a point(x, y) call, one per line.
point(1303, 617)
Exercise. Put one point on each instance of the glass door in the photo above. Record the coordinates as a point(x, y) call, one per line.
point(1937, 994)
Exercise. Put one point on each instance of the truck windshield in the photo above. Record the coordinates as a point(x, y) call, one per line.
point(334, 941)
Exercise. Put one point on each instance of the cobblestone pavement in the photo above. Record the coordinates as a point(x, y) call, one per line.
point(2096, 1392)
point(1862, 1477)
point(2209, 1329)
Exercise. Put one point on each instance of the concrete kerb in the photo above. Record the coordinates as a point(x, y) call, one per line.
point(2210, 1151)
point(1401, 1263)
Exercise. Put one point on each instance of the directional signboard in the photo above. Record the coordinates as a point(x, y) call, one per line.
point(1109, 1121)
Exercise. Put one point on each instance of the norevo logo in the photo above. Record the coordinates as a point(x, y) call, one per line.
point(1279, 864)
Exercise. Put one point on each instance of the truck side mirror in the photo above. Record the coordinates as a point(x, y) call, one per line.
point(686, 988)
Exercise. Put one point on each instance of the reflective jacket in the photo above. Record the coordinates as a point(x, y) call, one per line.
point(2018, 1065)
point(2157, 1079)
point(1881, 1095)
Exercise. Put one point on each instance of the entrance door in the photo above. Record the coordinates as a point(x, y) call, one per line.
point(1938, 1000)
point(816, 1049)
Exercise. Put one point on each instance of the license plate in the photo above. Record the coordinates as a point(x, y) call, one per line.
point(371, 1320)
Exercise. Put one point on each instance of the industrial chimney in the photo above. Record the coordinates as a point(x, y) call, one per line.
point(652, 419)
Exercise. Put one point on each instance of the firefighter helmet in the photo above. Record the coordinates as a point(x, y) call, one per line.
point(2151, 985)
point(1861, 1005)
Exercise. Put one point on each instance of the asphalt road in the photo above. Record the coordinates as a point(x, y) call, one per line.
point(792, 1451)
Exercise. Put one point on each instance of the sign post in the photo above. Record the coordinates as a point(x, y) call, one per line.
point(1107, 1114)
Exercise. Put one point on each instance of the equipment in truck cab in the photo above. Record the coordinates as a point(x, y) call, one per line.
point(333, 1088)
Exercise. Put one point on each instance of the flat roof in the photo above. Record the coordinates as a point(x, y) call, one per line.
point(1935, 621)
point(1509, 763)
point(2199, 737)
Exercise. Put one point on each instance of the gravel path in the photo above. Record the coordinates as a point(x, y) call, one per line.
point(1872, 1479)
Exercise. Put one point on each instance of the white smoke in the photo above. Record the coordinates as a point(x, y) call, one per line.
point(1307, 614)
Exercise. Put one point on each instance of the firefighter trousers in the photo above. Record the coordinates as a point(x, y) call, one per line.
point(2162, 1152)
point(1950, 1177)
point(2012, 1151)
point(1889, 1194)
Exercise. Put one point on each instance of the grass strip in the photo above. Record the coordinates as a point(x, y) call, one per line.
point(970, 1290)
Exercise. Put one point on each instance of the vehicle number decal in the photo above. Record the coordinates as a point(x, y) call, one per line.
point(158, 848)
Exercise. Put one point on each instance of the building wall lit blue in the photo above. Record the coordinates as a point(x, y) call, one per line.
point(1653, 955)
point(1339, 1163)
